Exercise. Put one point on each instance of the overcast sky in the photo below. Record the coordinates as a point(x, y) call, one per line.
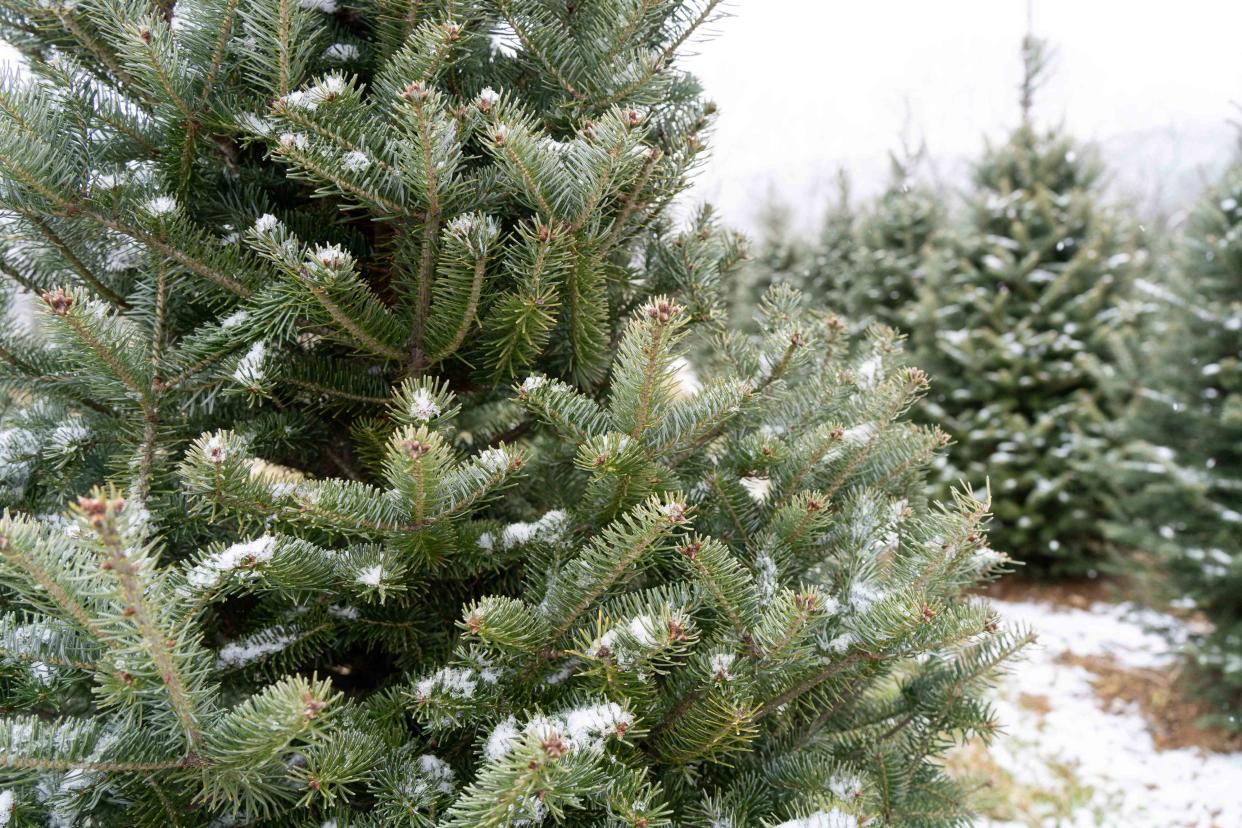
point(805, 86)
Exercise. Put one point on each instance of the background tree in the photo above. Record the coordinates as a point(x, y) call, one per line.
point(821, 266)
point(1180, 480)
point(887, 274)
point(1027, 297)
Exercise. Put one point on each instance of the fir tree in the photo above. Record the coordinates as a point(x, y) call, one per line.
point(1027, 298)
point(341, 566)
point(820, 266)
point(832, 260)
point(868, 263)
point(1181, 479)
point(886, 272)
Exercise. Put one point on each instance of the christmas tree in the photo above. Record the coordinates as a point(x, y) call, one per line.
point(886, 281)
point(1027, 300)
point(822, 267)
point(829, 267)
point(358, 354)
point(1181, 477)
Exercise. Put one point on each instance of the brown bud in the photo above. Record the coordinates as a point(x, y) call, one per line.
point(806, 601)
point(313, 705)
point(554, 746)
point(453, 31)
point(416, 91)
point(663, 310)
point(691, 550)
point(473, 624)
point(145, 34)
point(928, 613)
point(813, 505)
point(675, 631)
point(415, 448)
point(632, 118)
point(59, 301)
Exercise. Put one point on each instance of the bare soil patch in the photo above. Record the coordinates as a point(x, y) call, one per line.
point(1079, 594)
point(1166, 699)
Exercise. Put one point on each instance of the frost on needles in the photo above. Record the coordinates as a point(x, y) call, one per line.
point(357, 356)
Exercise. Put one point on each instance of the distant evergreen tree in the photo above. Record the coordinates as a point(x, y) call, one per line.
point(1181, 480)
point(357, 357)
point(830, 263)
point(775, 258)
point(820, 265)
point(887, 272)
point(1027, 297)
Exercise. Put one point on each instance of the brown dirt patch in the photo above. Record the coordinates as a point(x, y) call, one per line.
point(1035, 702)
point(1079, 594)
point(1167, 701)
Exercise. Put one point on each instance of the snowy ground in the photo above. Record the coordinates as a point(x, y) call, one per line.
point(1067, 762)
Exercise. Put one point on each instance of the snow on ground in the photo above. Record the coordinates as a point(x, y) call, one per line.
point(1089, 766)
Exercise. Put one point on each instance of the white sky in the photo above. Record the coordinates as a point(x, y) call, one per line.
point(806, 86)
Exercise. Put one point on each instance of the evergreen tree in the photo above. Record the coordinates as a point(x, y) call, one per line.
point(1181, 478)
point(820, 266)
point(831, 261)
point(1027, 298)
point(886, 274)
point(329, 563)
point(868, 264)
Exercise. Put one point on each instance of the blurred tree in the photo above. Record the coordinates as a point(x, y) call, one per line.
point(1180, 481)
point(887, 273)
point(1026, 298)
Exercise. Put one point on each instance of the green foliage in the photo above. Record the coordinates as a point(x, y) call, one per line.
point(1028, 298)
point(331, 562)
point(824, 267)
point(868, 263)
point(888, 279)
point(1180, 479)
point(745, 584)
